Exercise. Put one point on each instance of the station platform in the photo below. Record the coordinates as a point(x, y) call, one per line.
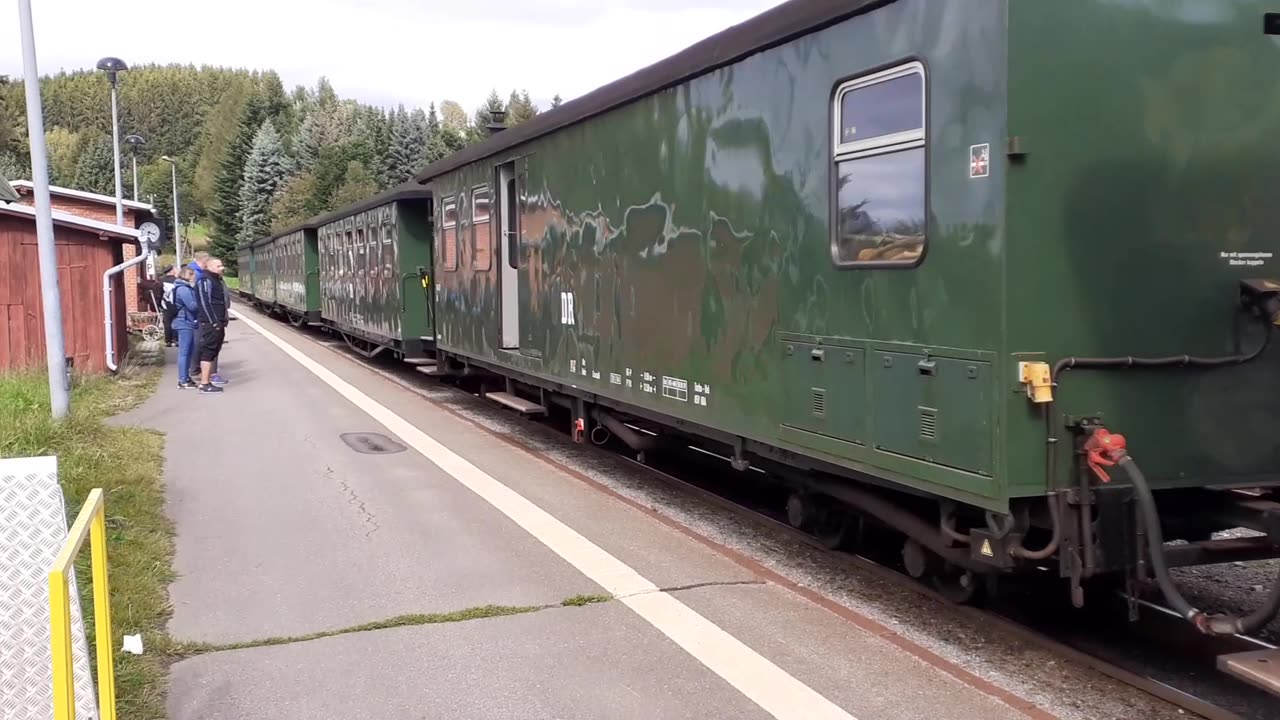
point(450, 574)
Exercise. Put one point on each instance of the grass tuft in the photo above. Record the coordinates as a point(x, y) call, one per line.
point(581, 600)
point(126, 463)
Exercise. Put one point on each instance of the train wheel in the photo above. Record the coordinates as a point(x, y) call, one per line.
point(956, 584)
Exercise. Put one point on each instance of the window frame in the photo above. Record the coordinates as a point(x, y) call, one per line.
point(447, 204)
point(874, 147)
point(487, 222)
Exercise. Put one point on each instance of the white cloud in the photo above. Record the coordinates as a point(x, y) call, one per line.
point(382, 51)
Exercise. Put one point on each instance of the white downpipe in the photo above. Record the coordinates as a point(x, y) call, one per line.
point(106, 301)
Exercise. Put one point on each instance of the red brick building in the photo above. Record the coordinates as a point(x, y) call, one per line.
point(101, 208)
point(86, 249)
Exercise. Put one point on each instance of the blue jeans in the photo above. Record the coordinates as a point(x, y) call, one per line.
point(186, 352)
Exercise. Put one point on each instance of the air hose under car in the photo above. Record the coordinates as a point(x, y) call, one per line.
point(1110, 449)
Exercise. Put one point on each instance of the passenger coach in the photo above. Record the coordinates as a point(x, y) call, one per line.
point(922, 258)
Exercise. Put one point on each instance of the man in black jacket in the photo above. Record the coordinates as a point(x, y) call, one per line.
point(212, 298)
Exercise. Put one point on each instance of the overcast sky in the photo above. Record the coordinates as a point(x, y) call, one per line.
point(381, 51)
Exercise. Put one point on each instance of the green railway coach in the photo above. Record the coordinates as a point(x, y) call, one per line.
point(374, 272)
point(921, 254)
point(264, 272)
point(297, 274)
point(244, 269)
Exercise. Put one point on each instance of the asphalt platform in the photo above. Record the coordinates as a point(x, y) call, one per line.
point(490, 582)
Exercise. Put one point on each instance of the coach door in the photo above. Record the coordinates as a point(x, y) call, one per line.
point(509, 256)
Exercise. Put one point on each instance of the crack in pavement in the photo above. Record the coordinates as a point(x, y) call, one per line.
point(354, 500)
point(692, 586)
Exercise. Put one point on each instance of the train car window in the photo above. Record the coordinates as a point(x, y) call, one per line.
point(879, 168)
point(449, 235)
point(481, 232)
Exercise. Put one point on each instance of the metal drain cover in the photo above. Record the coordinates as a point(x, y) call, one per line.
point(371, 443)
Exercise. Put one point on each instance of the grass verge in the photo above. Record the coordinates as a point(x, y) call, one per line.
point(127, 464)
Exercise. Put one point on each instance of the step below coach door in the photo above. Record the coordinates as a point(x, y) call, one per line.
point(509, 256)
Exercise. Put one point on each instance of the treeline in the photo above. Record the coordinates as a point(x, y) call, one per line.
point(250, 157)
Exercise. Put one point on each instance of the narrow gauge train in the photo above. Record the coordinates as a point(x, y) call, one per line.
point(934, 263)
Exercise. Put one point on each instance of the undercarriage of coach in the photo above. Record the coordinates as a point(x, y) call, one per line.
point(1100, 526)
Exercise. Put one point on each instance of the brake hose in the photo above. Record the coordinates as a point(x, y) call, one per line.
point(1208, 624)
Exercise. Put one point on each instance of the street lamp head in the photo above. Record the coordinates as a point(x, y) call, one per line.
point(134, 140)
point(168, 159)
point(112, 65)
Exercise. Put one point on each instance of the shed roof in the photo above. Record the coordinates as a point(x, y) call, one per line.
point(69, 220)
point(773, 27)
point(83, 195)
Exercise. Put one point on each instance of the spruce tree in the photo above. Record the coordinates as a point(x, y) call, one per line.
point(226, 213)
point(433, 148)
point(264, 172)
point(407, 145)
point(93, 171)
point(556, 101)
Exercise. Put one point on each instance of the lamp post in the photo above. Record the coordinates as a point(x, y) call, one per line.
point(113, 66)
point(47, 252)
point(177, 226)
point(133, 141)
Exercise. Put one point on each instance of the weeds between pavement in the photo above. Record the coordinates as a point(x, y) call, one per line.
point(180, 650)
point(127, 464)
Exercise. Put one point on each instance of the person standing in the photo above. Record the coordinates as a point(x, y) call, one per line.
point(211, 297)
point(186, 310)
point(169, 279)
point(198, 264)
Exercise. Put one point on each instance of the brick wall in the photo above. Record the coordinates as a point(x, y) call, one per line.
point(102, 212)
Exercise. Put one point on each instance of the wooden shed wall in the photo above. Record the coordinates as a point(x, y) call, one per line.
point(82, 258)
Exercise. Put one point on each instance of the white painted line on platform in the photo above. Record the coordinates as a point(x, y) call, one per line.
point(769, 686)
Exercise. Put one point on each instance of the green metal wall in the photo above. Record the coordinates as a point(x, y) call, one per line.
point(692, 232)
point(1152, 132)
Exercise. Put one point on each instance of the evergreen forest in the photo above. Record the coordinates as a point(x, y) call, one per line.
point(250, 156)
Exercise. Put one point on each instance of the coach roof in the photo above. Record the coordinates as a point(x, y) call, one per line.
point(774, 27)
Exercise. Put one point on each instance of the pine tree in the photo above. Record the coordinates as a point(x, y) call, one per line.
point(11, 168)
point(433, 148)
point(556, 101)
point(520, 108)
point(264, 172)
point(408, 145)
point(93, 171)
point(227, 211)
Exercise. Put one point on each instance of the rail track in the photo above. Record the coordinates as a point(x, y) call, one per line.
point(1158, 654)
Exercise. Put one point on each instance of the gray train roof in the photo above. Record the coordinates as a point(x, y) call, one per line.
point(771, 28)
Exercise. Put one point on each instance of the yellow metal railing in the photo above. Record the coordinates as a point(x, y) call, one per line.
point(91, 523)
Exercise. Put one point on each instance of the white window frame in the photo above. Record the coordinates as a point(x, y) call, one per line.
point(448, 204)
point(875, 146)
point(882, 143)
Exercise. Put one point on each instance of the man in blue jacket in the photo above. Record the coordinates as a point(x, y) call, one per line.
point(198, 264)
point(211, 295)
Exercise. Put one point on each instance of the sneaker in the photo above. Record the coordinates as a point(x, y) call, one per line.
point(218, 380)
point(210, 389)
point(186, 384)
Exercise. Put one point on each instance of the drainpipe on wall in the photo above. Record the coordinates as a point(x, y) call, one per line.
point(106, 300)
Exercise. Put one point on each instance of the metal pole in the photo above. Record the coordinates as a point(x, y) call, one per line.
point(177, 225)
point(115, 143)
point(54, 346)
point(135, 176)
